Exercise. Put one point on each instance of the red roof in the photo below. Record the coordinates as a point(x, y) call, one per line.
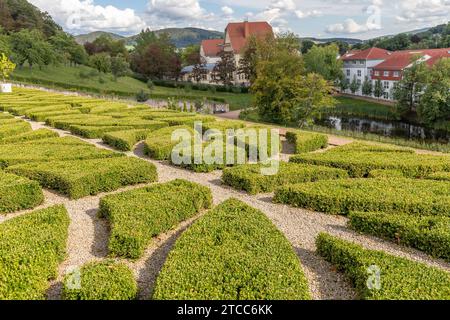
point(399, 60)
point(368, 54)
point(213, 47)
point(240, 32)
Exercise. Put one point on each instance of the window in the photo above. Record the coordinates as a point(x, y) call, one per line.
point(386, 73)
point(396, 74)
point(348, 73)
point(359, 73)
point(377, 73)
point(386, 84)
point(386, 95)
point(354, 61)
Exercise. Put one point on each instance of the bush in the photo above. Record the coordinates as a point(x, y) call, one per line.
point(360, 159)
point(31, 248)
point(440, 176)
point(42, 116)
point(142, 96)
point(30, 136)
point(428, 234)
point(125, 140)
point(306, 141)
point(139, 215)
point(17, 193)
point(249, 177)
point(188, 121)
point(12, 129)
point(250, 139)
point(80, 178)
point(421, 197)
point(159, 145)
point(401, 279)
point(53, 149)
point(234, 252)
point(222, 126)
point(386, 174)
point(105, 280)
point(93, 132)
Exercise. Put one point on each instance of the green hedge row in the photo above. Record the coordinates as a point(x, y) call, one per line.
point(187, 121)
point(159, 145)
point(399, 278)
point(360, 160)
point(80, 178)
point(249, 177)
point(31, 248)
point(56, 149)
point(43, 116)
point(222, 126)
point(30, 136)
point(139, 215)
point(388, 173)
point(11, 121)
point(5, 115)
point(430, 234)
point(17, 193)
point(125, 140)
point(306, 141)
point(234, 252)
point(440, 176)
point(105, 280)
point(421, 197)
point(12, 129)
point(248, 141)
point(160, 115)
point(93, 132)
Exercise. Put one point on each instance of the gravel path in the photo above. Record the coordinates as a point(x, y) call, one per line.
point(88, 234)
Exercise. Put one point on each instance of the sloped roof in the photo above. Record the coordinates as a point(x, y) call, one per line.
point(212, 47)
point(399, 60)
point(368, 54)
point(208, 67)
point(240, 32)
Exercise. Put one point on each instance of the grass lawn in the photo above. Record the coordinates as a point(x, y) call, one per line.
point(69, 78)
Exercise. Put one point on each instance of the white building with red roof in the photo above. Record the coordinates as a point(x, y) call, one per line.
point(210, 50)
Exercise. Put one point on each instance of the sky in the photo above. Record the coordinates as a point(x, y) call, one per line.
point(362, 19)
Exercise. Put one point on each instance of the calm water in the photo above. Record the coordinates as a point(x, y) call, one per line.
point(394, 129)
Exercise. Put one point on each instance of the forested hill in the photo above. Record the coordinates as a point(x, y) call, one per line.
point(16, 15)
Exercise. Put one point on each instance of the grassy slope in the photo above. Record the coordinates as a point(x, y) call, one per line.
point(70, 75)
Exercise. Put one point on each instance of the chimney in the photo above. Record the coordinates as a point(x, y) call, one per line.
point(246, 29)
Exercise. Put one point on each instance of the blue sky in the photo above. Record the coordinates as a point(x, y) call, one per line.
point(318, 18)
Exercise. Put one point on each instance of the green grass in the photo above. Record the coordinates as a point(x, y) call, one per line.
point(348, 106)
point(234, 252)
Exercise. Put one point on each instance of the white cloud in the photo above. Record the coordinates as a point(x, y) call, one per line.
point(176, 9)
point(413, 11)
point(308, 14)
point(227, 11)
point(351, 26)
point(84, 16)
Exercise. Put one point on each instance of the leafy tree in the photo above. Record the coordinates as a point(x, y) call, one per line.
point(120, 67)
point(367, 87)
point(30, 47)
point(5, 46)
point(67, 49)
point(435, 102)
point(105, 44)
point(344, 84)
point(198, 72)
point(324, 61)
point(224, 70)
point(191, 55)
point(307, 45)
point(101, 62)
point(378, 90)
point(409, 88)
point(354, 85)
point(6, 67)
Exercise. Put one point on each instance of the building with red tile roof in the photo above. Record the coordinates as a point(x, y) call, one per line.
point(368, 54)
point(238, 33)
point(211, 48)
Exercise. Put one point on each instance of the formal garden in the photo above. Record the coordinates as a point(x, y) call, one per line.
point(93, 207)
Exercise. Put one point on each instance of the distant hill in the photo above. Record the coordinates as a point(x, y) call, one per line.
point(181, 37)
point(328, 40)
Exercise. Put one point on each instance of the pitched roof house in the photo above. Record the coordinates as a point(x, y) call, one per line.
point(368, 54)
point(211, 48)
point(238, 33)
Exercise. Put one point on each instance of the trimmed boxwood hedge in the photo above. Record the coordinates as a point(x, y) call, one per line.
point(222, 126)
point(187, 121)
point(400, 278)
point(93, 132)
point(12, 129)
point(234, 252)
point(386, 174)
point(249, 177)
point(104, 280)
point(139, 215)
point(4, 115)
point(159, 144)
point(440, 176)
point(430, 234)
point(307, 141)
point(30, 136)
point(31, 248)
point(43, 116)
point(421, 197)
point(359, 159)
point(125, 140)
point(18, 193)
point(80, 178)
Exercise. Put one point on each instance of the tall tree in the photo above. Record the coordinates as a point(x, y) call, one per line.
point(378, 90)
point(101, 62)
point(199, 72)
point(367, 87)
point(225, 69)
point(120, 67)
point(354, 85)
point(324, 61)
point(30, 47)
point(191, 55)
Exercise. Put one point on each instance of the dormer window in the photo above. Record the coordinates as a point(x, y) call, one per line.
point(377, 73)
point(396, 74)
point(386, 73)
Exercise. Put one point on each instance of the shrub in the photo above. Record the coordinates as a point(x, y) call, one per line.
point(31, 248)
point(52, 149)
point(5, 115)
point(43, 116)
point(159, 145)
point(250, 138)
point(139, 215)
point(234, 252)
point(30, 136)
point(12, 129)
point(188, 121)
point(125, 140)
point(142, 96)
point(421, 197)
point(360, 159)
point(93, 132)
point(249, 177)
point(17, 193)
point(386, 174)
point(81, 178)
point(440, 176)
point(401, 279)
point(105, 280)
point(222, 126)
point(306, 141)
point(428, 234)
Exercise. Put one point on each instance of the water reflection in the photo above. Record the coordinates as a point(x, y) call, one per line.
point(395, 129)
